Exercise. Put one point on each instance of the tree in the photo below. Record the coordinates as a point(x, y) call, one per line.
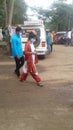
point(12, 12)
point(59, 17)
point(2, 14)
point(8, 9)
point(19, 13)
point(62, 16)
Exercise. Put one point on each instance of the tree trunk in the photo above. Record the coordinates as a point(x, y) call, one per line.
point(11, 5)
point(8, 12)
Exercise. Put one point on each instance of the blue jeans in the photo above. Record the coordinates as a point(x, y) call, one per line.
point(48, 48)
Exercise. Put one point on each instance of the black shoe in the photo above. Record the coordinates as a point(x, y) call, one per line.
point(17, 73)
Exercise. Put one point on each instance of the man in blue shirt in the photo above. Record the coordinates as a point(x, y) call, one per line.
point(17, 50)
point(48, 40)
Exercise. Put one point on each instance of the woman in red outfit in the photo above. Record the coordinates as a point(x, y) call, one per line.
point(30, 60)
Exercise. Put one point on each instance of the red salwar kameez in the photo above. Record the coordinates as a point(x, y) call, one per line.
point(29, 64)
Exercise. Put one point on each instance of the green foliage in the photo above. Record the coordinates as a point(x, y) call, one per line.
point(2, 15)
point(19, 13)
point(62, 15)
point(59, 17)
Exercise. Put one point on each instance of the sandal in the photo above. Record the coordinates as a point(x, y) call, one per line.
point(40, 84)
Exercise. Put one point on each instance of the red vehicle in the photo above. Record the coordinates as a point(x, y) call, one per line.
point(60, 37)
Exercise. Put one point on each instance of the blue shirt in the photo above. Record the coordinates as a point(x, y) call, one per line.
point(16, 46)
point(48, 38)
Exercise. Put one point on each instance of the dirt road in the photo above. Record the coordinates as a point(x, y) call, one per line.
point(25, 106)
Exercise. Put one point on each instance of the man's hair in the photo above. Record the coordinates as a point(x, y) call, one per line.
point(18, 29)
point(31, 35)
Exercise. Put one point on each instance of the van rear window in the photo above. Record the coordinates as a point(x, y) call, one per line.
point(25, 32)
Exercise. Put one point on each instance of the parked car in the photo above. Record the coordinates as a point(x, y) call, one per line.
point(60, 37)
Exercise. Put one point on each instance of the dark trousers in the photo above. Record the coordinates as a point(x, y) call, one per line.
point(19, 64)
point(51, 45)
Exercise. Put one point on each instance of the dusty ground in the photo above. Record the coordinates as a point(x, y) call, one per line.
point(25, 106)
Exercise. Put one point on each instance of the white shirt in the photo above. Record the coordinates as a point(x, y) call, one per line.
point(33, 50)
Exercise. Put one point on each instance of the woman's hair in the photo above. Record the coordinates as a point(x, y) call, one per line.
point(18, 29)
point(31, 35)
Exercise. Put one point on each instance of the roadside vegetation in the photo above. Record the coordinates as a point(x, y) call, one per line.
point(58, 18)
point(12, 12)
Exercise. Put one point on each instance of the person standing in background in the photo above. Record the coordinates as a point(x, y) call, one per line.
point(67, 38)
point(48, 40)
point(52, 40)
point(72, 37)
point(1, 35)
point(17, 50)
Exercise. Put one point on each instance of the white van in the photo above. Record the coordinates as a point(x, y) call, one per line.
point(38, 28)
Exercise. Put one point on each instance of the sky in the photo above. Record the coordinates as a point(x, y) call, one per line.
point(40, 3)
